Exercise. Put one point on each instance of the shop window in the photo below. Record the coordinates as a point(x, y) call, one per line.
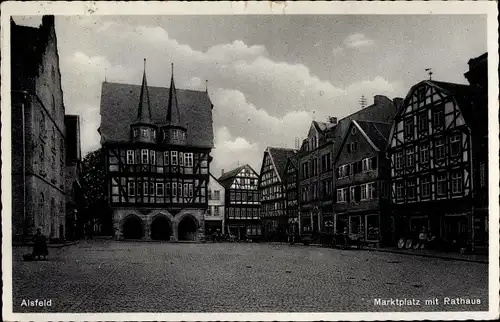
point(355, 226)
point(372, 227)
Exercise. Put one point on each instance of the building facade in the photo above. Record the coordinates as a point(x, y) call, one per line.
point(292, 193)
point(272, 192)
point(242, 202)
point(157, 143)
point(215, 215)
point(73, 170)
point(38, 133)
point(316, 176)
point(362, 182)
point(437, 167)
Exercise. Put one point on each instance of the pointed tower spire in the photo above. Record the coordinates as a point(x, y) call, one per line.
point(173, 113)
point(144, 112)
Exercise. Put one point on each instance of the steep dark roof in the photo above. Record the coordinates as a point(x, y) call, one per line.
point(119, 109)
point(378, 132)
point(279, 157)
point(144, 112)
point(226, 180)
point(383, 111)
point(173, 113)
point(294, 159)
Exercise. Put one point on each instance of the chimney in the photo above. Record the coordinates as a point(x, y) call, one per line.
point(332, 120)
point(379, 100)
point(398, 101)
point(222, 172)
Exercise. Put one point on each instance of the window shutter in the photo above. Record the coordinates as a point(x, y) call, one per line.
point(357, 193)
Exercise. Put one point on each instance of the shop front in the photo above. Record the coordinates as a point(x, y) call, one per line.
point(212, 226)
point(360, 226)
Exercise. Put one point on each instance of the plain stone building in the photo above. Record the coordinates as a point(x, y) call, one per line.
point(157, 142)
point(38, 133)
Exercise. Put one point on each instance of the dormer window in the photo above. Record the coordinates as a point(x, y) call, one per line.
point(153, 134)
point(136, 133)
point(144, 133)
point(174, 134)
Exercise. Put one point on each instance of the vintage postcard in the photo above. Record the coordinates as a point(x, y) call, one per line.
point(250, 161)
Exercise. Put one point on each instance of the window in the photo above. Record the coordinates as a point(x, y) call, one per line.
point(216, 195)
point(130, 157)
point(355, 226)
point(136, 133)
point(423, 123)
point(188, 159)
point(409, 127)
point(179, 189)
point(181, 159)
point(131, 188)
point(341, 195)
point(326, 163)
point(399, 159)
point(367, 164)
point(216, 211)
point(425, 187)
point(153, 134)
point(352, 194)
point(174, 189)
point(424, 153)
point(455, 145)
point(191, 192)
point(152, 155)
point(439, 149)
point(400, 189)
point(173, 155)
point(411, 189)
point(159, 189)
point(174, 134)
point(438, 117)
point(145, 188)
point(372, 227)
point(354, 146)
point(441, 184)
point(186, 189)
point(144, 133)
point(456, 183)
point(167, 189)
point(410, 157)
point(353, 130)
point(145, 156)
point(152, 188)
point(166, 158)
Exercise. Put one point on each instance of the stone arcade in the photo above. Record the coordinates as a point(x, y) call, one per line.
point(157, 143)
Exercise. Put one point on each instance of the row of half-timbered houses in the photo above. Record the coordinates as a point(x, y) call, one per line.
point(391, 170)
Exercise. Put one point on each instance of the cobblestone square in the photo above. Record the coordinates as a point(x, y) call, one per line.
point(109, 276)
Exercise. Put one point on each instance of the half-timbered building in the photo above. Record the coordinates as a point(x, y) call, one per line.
point(215, 215)
point(242, 202)
point(272, 192)
point(433, 165)
point(316, 176)
point(292, 193)
point(362, 185)
point(157, 143)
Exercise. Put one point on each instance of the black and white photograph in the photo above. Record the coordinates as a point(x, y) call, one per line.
point(250, 161)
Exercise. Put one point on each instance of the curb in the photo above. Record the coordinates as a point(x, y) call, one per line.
point(382, 250)
point(48, 245)
point(482, 261)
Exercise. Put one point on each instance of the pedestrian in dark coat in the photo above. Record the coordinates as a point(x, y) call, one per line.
point(40, 245)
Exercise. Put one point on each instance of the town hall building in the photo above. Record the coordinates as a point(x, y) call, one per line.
point(157, 143)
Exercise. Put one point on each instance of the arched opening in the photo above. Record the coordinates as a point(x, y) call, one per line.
point(187, 228)
point(160, 228)
point(132, 228)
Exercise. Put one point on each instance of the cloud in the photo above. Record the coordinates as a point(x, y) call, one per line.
point(337, 50)
point(258, 101)
point(357, 40)
point(230, 151)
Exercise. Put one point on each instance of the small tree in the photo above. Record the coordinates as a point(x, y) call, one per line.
point(95, 203)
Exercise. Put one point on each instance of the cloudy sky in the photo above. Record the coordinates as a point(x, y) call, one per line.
point(268, 76)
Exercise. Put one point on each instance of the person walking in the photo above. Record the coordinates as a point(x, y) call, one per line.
point(40, 245)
